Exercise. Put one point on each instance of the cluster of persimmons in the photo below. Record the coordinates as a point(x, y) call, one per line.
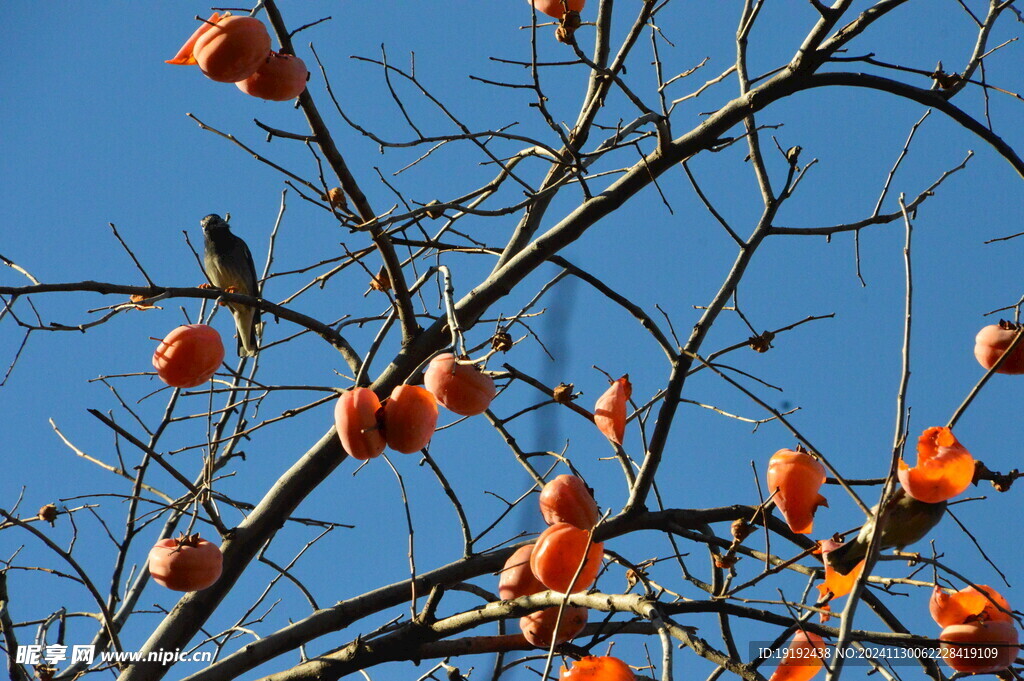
point(978, 635)
point(236, 49)
point(565, 558)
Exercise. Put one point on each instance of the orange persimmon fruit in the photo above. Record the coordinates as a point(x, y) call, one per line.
point(185, 564)
point(461, 388)
point(516, 578)
point(592, 668)
point(555, 9)
point(410, 416)
point(566, 499)
point(358, 425)
point(979, 647)
point(983, 604)
point(610, 409)
point(188, 356)
point(185, 56)
point(558, 553)
point(944, 467)
point(226, 48)
point(803, 658)
point(795, 478)
point(233, 49)
point(279, 78)
point(539, 627)
point(992, 341)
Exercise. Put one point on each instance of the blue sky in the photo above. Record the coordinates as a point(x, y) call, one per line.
point(95, 131)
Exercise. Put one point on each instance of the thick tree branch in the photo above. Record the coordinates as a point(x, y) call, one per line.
point(930, 98)
point(153, 294)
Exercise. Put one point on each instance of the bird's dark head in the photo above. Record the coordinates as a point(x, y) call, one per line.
point(213, 224)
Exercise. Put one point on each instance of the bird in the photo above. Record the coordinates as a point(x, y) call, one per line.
point(907, 521)
point(229, 266)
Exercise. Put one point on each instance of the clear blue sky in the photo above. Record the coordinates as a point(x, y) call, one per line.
point(95, 131)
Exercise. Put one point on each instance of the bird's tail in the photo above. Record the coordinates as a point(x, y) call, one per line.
point(247, 321)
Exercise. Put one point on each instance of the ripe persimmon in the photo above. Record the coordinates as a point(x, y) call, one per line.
point(279, 78)
point(185, 564)
point(516, 578)
point(185, 55)
point(410, 415)
point(356, 419)
point(610, 409)
point(944, 467)
point(558, 553)
point(795, 478)
point(188, 356)
point(981, 603)
point(227, 48)
point(591, 668)
point(992, 341)
point(539, 627)
point(461, 388)
point(979, 647)
point(802, 659)
point(566, 499)
point(555, 8)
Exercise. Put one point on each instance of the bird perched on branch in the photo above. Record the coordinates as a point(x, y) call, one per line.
point(907, 521)
point(229, 265)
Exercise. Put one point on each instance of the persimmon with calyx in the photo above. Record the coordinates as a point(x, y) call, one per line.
point(187, 563)
point(970, 604)
point(979, 647)
point(279, 78)
point(356, 417)
point(226, 48)
point(591, 668)
point(992, 341)
point(566, 499)
point(539, 627)
point(802, 659)
point(557, 555)
point(461, 388)
point(610, 409)
point(188, 356)
point(410, 416)
point(555, 9)
point(795, 478)
point(944, 467)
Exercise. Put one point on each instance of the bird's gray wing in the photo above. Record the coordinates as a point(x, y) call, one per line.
point(252, 279)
